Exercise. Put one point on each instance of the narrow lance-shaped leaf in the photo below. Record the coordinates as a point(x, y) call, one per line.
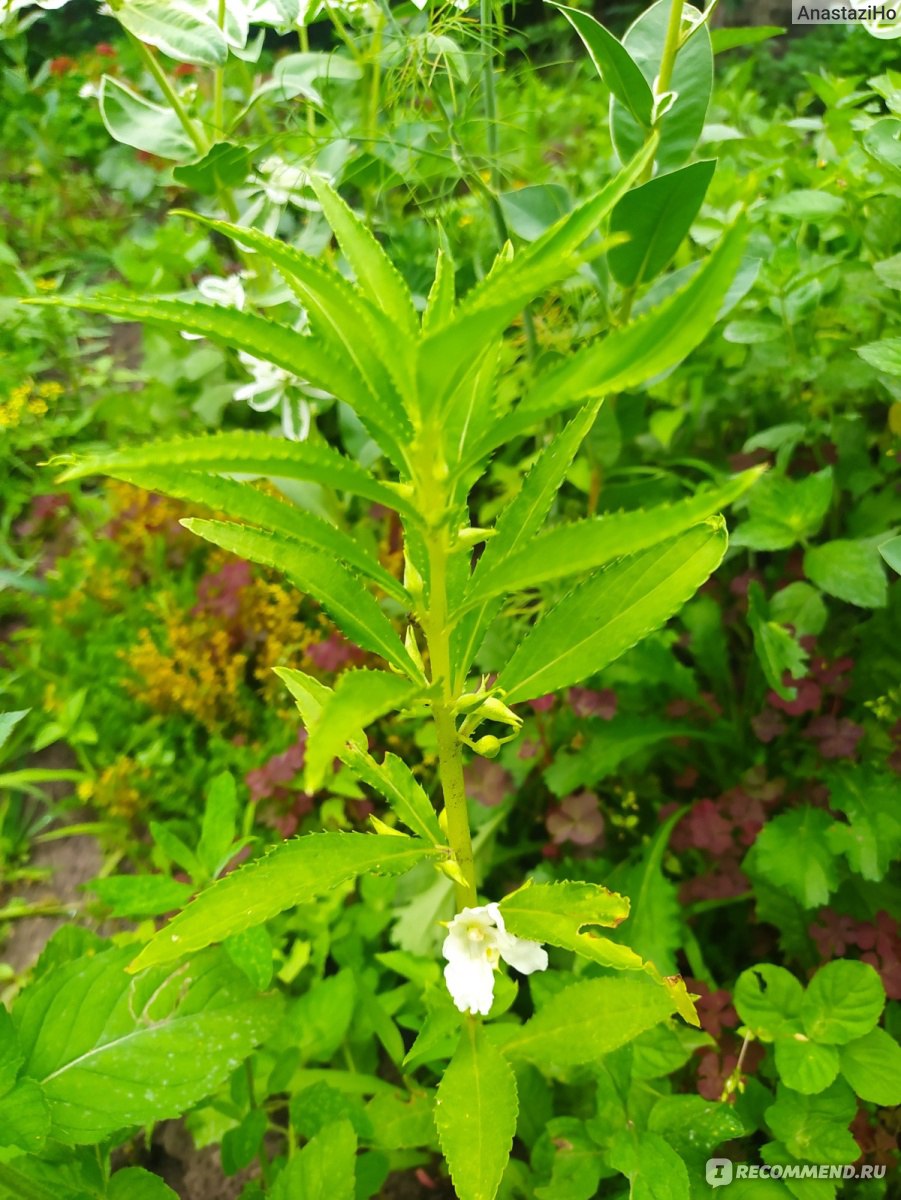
point(519, 521)
point(293, 873)
point(614, 64)
point(630, 356)
point(240, 453)
point(301, 355)
point(359, 698)
point(440, 304)
point(243, 502)
point(339, 592)
point(475, 1111)
point(391, 778)
point(375, 272)
point(586, 545)
point(610, 612)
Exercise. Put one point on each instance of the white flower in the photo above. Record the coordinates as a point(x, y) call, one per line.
point(271, 387)
point(476, 941)
point(226, 291)
point(282, 183)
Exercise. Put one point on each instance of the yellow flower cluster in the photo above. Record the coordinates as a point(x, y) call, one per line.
point(115, 791)
point(28, 399)
point(272, 612)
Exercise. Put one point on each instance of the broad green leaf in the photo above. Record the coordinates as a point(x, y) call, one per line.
point(800, 606)
point(292, 873)
point(871, 840)
point(850, 571)
point(303, 356)
point(558, 912)
point(692, 81)
point(872, 1065)
point(691, 1123)
point(768, 999)
point(354, 328)
point(359, 698)
point(804, 1065)
point(376, 275)
point(777, 649)
point(792, 853)
point(589, 1019)
point(325, 1169)
point(224, 166)
point(245, 503)
point(135, 121)
point(339, 592)
point(815, 1126)
point(614, 64)
point(884, 356)
point(656, 217)
point(147, 1049)
point(626, 358)
point(611, 611)
point(530, 211)
point(843, 1001)
point(784, 511)
point(475, 1112)
point(24, 1117)
point(134, 1183)
point(239, 453)
point(733, 37)
point(518, 522)
point(141, 895)
point(585, 545)
point(646, 1159)
point(219, 825)
point(182, 30)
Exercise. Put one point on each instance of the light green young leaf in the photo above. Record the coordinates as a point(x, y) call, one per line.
point(475, 1111)
point(784, 511)
point(843, 1001)
point(359, 698)
point(394, 781)
point(8, 722)
point(656, 217)
point(586, 545)
point(558, 912)
point(805, 1066)
point(135, 121)
point(792, 852)
point(377, 276)
point(292, 873)
point(154, 1045)
point(264, 339)
point(872, 1065)
point(768, 999)
point(628, 357)
point(566, 1031)
point(804, 1122)
point(325, 1169)
point(614, 64)
point(245, 503)
point(240, 453)
point(339, 592)
point(184, 31)
point(519, 521)
point(440, 304)
point(610, 612)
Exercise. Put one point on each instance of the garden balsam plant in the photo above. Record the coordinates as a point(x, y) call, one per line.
point(426, 390)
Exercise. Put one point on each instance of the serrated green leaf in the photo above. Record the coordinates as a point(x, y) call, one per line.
point(784, 511)
point(611, 611)
point(850, 571)
point(872, 1065)
point(592, 543)
point(359, 698)
point(440, 303)
point(614, 64)
point(792, 852)
point(558, 912)
point(843, 1001)
point(629, 357)
point(871, 841)
point(518, 522)
point(377, 276)
point(768, 999)
point(8, 722)
point(303, 356)
point(153, 1046)
point(475, 1112)
point(339, 592)
point(566, 1030)
point(394, 780)
point(805, 1066)
point(292, 873)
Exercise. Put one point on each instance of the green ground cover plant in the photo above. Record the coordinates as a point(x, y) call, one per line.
point(477, 809)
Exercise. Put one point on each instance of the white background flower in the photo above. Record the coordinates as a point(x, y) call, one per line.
point(476, 941)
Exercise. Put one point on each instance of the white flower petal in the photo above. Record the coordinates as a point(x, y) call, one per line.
point(524, 956)
point(471, 984)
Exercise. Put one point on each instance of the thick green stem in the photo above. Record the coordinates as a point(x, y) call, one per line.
point(165, 85)
point(670, 46)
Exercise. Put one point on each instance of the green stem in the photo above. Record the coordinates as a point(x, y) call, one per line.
point(219, 80)
point(670, 47)
point(303, 35)
point(165, 86)
point(486, 16)
point(375, 82)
